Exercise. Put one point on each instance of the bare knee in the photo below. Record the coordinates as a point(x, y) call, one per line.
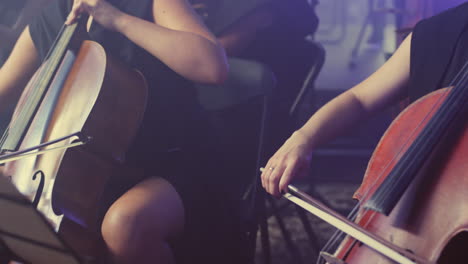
point(119, 227)
point(151, 211)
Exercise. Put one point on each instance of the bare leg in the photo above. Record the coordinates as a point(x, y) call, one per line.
point(138, 225)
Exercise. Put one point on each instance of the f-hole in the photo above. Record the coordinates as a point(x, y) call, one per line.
point(40, 188)
point(455, 251)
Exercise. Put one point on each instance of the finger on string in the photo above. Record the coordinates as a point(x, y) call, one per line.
point(70, 18)
point(73, 16)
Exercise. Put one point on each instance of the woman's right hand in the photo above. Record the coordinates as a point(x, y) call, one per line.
point(102, 11)
point(290, 161)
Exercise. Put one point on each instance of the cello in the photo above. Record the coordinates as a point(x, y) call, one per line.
point(79, 94)
point(412, 203)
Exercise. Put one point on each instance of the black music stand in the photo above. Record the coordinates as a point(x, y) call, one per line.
point(25, 234)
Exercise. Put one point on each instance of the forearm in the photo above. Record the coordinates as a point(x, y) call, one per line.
point(383, 88)
point(192, 56)
point(234, 44)
point(336, 117)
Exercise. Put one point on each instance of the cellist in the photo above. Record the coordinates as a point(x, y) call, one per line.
point(428, 59)
point(166, 41)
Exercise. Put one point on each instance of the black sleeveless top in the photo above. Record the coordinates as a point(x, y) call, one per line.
point(439, 49)
point(9, 12)
point(172, 110)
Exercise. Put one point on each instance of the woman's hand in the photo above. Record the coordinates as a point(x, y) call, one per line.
point(101, 11)
point(290, 161)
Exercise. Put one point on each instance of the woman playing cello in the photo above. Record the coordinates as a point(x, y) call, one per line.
point(430, 58)
point(400, 77)
point(166, 41)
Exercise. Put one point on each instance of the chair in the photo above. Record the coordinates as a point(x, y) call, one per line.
point(300, 104)
point(376, 18)
point(252, 82)
point(238, 110)
point(308, 86)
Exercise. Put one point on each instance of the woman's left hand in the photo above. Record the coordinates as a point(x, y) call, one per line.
point(101, 11)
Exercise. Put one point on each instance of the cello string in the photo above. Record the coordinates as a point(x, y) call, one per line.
point(22, 115)
point(54, 56)
point(47, 66)
point(444, 108)
point(56, 41)
point(460, 79)
point(457, 77)
point(452, 106)
point(43, 80)
point(462, 82)
point(449, 112)
point(339, 235)
point(436, 129)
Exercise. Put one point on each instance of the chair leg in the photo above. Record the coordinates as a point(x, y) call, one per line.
point(310, 232)
point(264, 235)
point(286, 235)
point(5, 255)
point(357, 45)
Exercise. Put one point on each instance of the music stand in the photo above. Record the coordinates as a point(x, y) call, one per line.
point(25, 234)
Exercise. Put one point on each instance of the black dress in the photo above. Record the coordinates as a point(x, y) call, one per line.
point(438, 51)
point(9, 12)
point(175, 140)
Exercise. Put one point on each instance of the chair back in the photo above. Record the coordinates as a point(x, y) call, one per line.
point(246, 79)
point(308, 85)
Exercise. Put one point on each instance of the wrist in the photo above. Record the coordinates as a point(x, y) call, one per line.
point(121, 22)
point(109, 16)
point(305, 138)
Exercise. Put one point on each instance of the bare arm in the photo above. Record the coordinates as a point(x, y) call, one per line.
point(381, 89)
point(17, 70)
point(178, 37)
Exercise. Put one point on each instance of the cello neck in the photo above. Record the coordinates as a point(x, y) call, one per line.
point(17, 129)
point(443, 123)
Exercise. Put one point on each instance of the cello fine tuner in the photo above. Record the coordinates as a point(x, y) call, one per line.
point(329, 258)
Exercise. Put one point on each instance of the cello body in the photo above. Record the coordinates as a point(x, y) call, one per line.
point(93, 94)
point(430, 220)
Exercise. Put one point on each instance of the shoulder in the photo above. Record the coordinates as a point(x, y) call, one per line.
point(388, 84)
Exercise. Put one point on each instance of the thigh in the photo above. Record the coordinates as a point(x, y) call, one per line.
point(152, 206)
